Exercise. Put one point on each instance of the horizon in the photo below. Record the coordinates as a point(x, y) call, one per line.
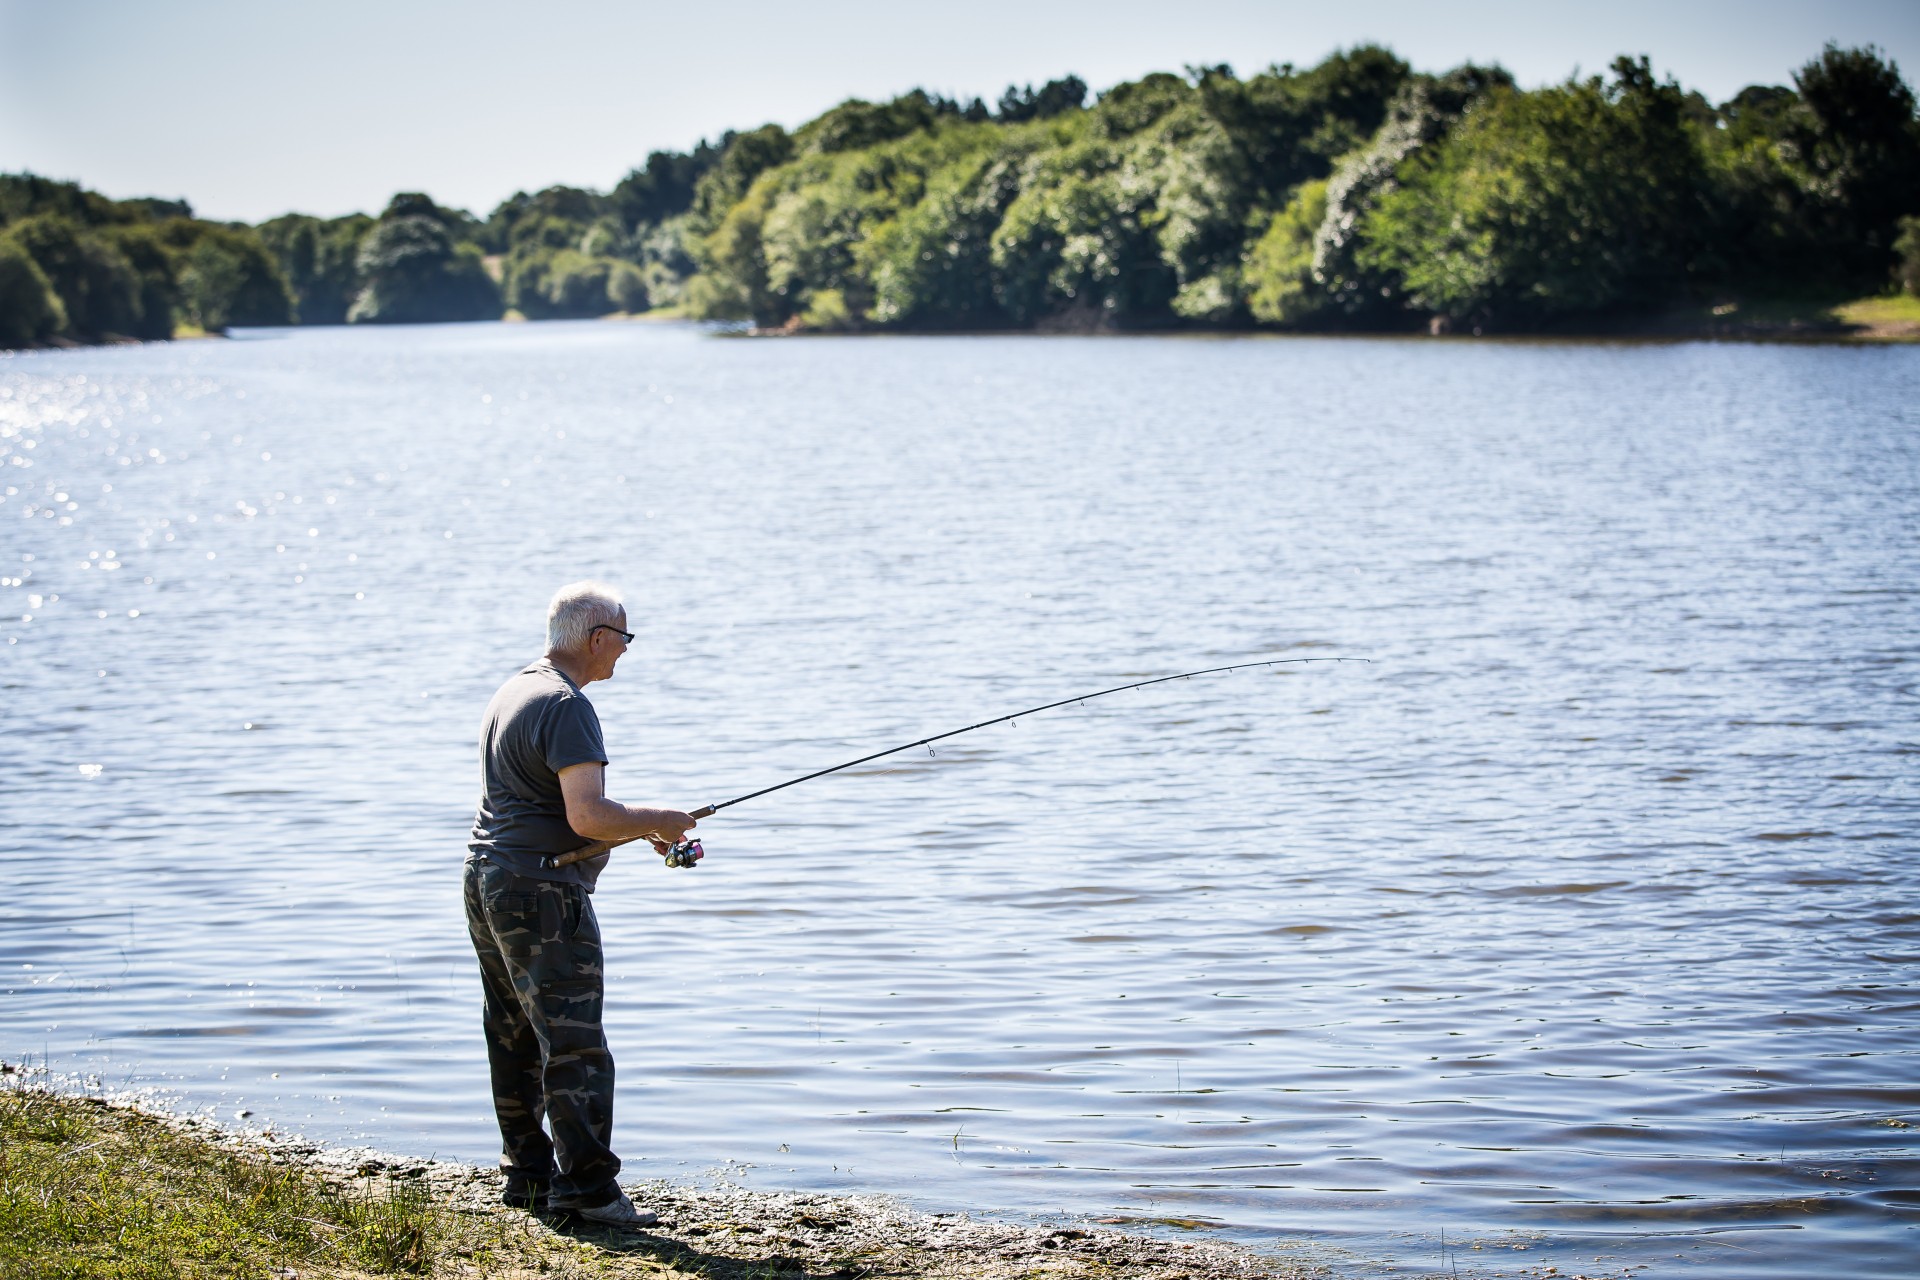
point(586, 117)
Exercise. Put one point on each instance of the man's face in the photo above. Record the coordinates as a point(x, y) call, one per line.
point(608, 646)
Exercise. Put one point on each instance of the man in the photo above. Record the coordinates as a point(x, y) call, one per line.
point(543, 768)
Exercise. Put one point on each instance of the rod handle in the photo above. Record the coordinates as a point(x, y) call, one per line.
point(704, 811)
point(584, 852)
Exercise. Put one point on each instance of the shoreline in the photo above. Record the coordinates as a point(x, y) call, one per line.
point(1871, 321)
point(444, 1218)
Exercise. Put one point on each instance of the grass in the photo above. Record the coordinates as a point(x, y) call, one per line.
point(1900, 309)
point(88, 1191)
point(1883, 318)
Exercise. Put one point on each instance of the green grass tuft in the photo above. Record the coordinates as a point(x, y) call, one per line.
point(87, 1192)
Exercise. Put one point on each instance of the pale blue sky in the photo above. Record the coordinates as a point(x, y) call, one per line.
point(250, 108)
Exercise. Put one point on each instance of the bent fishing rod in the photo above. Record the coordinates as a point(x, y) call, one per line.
point(687, 853)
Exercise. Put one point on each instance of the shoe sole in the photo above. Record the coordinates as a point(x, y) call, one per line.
point(577, 1217)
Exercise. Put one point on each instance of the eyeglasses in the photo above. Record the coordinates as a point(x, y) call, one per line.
point(625, 636)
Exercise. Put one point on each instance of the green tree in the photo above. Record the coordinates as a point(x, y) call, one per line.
point(319, 259)
point(228, 277)
point(1906, 253)
point(1286, 126)
point(23, 195)
point(98, 288)
point(627, 288)
point(663, 187)
point(30, 310)
point(1424, 111)
point(1572, 200)
point(413, 272)
point(568, 284)
point(156, 274)
point(1858, 147)
point(855, 125)
point(1279, 275)
point(1020, 103)
point(743, 158)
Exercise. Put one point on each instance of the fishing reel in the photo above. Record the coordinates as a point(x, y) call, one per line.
point(685, 854)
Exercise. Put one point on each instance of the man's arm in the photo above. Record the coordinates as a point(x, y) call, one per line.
point(589, 812)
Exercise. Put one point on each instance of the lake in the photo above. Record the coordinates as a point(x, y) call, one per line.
point(1580, 925)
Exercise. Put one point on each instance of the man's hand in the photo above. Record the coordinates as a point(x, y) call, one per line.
point(591, 814)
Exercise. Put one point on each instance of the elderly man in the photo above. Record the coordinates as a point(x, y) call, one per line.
point(543, 766)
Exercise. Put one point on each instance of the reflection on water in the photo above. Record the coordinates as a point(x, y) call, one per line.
point(1580, 925)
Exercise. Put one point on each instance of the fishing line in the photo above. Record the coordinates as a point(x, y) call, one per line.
point(707, 811)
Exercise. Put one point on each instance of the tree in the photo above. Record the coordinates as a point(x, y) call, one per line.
point(1348, 292)
point(98, 288)
point(663, 187)
point(229, 278)
point(319, 260)
point(1287, 126)
point(627, 288)
point(854, 124)
point(413, 273)
point(155, 273)
point(1279, 275)
point(1906, 251)
point(30, 310)
point(1858, 147)
point(743, 158)
point(1575, 199)
point(1020, 103)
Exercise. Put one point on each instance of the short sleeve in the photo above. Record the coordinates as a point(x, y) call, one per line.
point(573, 735)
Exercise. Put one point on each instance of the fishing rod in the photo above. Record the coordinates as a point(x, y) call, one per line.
point(688, 852)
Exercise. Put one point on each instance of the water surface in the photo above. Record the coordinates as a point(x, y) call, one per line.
point(1580, 925)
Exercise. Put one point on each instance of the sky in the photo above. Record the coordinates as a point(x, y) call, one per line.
point(252, 108)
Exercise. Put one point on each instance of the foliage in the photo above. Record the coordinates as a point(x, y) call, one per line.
point(97, 287)
point(743, 158)
point(1353, 194)
point(1286, 126)
point(1906, 250)
point(132, 268)
point(1574, 199)
point(1279, 274)
point(562, 284)
point(1134, 211)
point(1020, 103)
point(228, 277)
point(1858, 151)
point(1346, 292)
point(30, 309)
point(663, 187)
point(413, 271)
point(855, 124)
point(319, 258)
point(155, 274)
point(23, 195)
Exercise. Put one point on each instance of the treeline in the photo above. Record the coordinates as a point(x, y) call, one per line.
point(1355, 194)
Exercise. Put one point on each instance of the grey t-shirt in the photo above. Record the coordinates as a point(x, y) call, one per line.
point(538, 724)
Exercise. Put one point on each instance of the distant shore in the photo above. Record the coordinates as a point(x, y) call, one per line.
point(1881, 319)
point(1874, 320)
point(94, 1184)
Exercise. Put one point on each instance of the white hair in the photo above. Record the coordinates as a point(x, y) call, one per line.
point(576, 610)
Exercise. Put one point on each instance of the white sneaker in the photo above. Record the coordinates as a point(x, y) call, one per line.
point(618, 1212)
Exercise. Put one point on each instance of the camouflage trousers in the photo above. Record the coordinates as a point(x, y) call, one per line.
point(540, 968)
